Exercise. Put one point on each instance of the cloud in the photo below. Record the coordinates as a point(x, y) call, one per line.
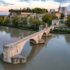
point(3, 3)
point(62, 1)
point(34, 3)
point(23, 0)
point(36, 0)
point(59, 1)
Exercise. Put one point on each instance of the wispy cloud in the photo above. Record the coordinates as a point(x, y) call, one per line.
point(3, 3)
point(48, 0)
point(37, 0)
point(23, 0)
point(34, 3)
point(62, 1)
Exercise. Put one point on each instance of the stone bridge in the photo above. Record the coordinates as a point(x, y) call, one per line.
point(12, 51)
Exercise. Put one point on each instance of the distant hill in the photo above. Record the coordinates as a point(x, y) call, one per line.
point(4, 13)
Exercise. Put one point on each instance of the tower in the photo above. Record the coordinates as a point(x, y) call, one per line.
point(59, 9)
point(62, 10)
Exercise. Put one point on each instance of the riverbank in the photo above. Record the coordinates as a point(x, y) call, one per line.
point(19, 27)
point(61, 31)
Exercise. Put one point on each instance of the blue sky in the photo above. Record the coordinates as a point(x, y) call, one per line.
point(5, 5)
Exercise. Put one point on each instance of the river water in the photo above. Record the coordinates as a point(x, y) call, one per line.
point(53, 55)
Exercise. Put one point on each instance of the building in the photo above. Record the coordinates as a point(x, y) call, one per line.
point(52, 10)
point(63, 10)
point(55, 22)
point(58, 14)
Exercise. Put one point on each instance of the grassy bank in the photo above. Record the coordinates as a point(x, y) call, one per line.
point(61, 31)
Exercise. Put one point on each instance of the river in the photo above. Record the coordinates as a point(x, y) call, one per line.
point(53, 55)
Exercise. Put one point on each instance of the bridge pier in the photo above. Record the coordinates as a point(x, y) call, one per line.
point(39, 40)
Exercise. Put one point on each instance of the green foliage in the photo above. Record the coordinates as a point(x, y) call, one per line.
point(35, 23)
point(48, 18)
point(23, 21)
point(16, 11)
point(39, 10)
point(62, 16)
point(17, 21)
point(1, 20)
point(54, 16)
point(61, 31)
point(35, 10)
point(4, 20)
point(68, 21)
point(26, 10)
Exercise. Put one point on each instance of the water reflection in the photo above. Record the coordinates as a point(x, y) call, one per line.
point(53, 55)
point(67, 38)
point(8, 35)
point(16, 32)
point(35, 49)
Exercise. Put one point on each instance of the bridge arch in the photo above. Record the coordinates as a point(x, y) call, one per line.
point(44, 35)
point(32, 41)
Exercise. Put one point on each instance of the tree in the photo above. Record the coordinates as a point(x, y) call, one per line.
point(68, 21)
point(62, 16)
point(54, 16)
point(48, 18)
point(23, 21)
point(19, 21)
point(1, 20)
point(35, 10)
point(44, 10)
point(35, 23)
point(6, 21)
point(15, 21)
point(39, 10)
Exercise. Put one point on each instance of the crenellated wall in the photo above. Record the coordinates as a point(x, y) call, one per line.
point(13, 49)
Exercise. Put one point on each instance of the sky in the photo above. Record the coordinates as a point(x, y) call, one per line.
point(5, 5)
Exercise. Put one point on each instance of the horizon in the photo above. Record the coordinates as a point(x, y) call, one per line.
point(5, 5)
